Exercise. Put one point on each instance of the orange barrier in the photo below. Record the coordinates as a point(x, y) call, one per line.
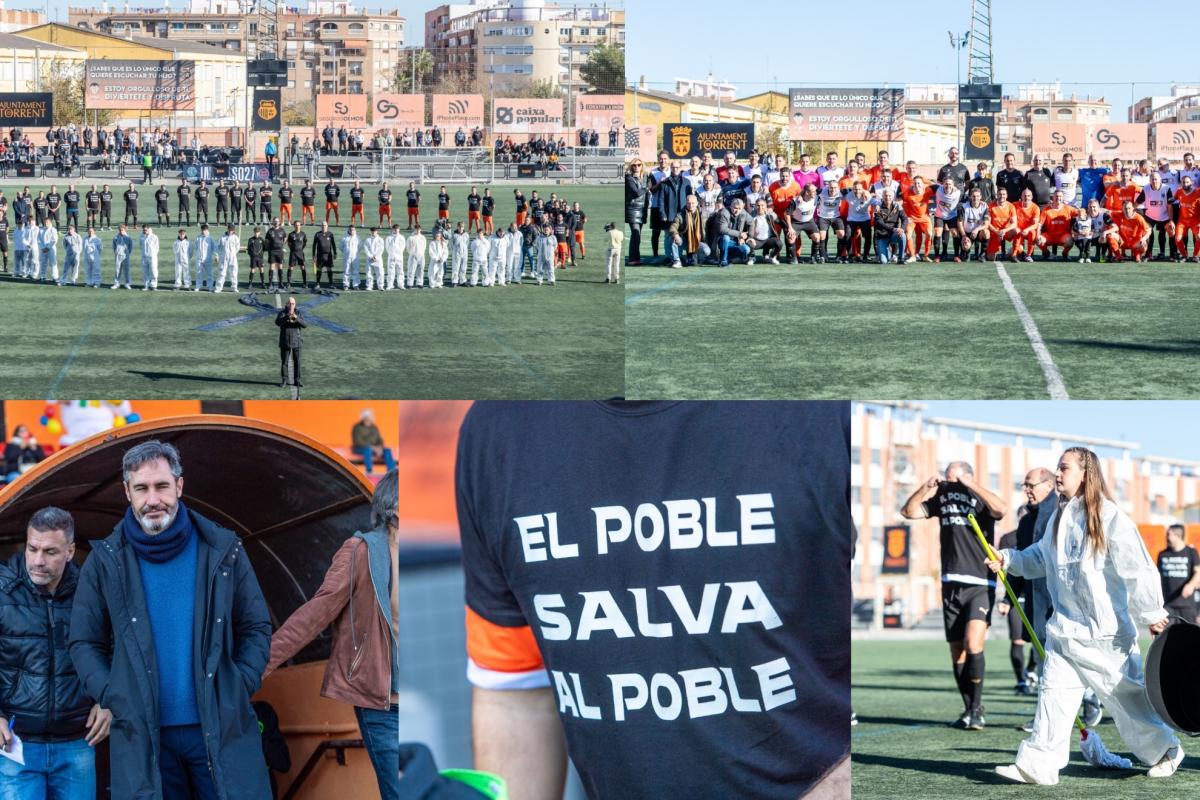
point(428, 441)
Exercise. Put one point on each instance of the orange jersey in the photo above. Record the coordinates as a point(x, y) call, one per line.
point(846, 183)
point(1000, 214)
point(916, 206)
point(876, 174)
point(1056, 222)
point(1189, 207)
point(905, 180)
point(1027, 216)
point(1132, 228)
point(782, 196)
point(1116, 196)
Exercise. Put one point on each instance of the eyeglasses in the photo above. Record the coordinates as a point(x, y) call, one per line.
point(1028, 485)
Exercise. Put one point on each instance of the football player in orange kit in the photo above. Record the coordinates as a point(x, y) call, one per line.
point(1134, 234)
point(1056, 226)
point(1002, 223)
point(915, 202)
point(1027, 216)
point(1187, 204)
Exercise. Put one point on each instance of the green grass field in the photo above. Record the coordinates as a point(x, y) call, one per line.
point(919, 330)
point(514, 342)
point(905, 697)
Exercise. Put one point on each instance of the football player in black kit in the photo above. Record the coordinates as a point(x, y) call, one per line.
point(308, 199)
point(285, 202)
point(332, 193)
point(222, 194)
point(53, 203)
point(184, 193)
point(296, 242)
point(265, 193)
point(356, 204)
point(413, 197)
point(72, 200)
point(235, 202)
point(324, 250)
point(968, 588)
point(202, 201)
point(91, 201)
point(487, 207)
point(106, 198)
point(443, 203)
point(131, 198)
point(250, 193)
point(162, 213)
point(276, 243)
point(256, 246)
point(385, 205)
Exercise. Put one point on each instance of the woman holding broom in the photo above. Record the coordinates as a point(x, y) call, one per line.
point(1104, 588)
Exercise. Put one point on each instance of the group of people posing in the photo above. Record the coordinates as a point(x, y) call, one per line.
point(546, 234)
point(728, 212)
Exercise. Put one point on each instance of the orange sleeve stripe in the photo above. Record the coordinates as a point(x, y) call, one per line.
point(500, 648)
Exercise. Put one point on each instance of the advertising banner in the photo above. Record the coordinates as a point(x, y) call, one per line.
point(398, 110)
point(980, 138)
point(26, 109)
point(457, 110)
point(526, 115)
point(1125, 140)
point(268, 109)
point(349, 110)
point(687, 139)
point(640, 142)
point(601, 112)
point(1052, 139)
point(843, 114)
point(140, 85)
point(1173, 139)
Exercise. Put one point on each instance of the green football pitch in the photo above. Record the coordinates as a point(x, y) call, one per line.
point(512, 342)
point(905, 697)
point(953, 331)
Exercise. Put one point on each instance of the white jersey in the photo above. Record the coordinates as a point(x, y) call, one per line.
point(829, 205)
point(803, 210)
point(708, 200)
point(974, 217)
point(1068, 183)
point(831, 174)
point(1158, 207)
point(946, 204)
point(891, 186)
point(1170, 179)
point(1139, 179)
point(859, 210)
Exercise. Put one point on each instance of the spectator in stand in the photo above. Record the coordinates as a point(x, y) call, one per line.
point(367, 442)
point(21, 452)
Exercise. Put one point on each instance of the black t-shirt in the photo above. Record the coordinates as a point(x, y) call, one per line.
point(1040, 183)
point(957, 171)
point(251, 193)
point(413, 196)
point(473, 201)
point(131, 197)
point(701, 549)
point(93, 199)
point(307, 195)
point(522, 204)
point(443, 201)
point(202, 194)
point(962, 555)
point(488, 204)
point(222, 195)
point(276, 238)
point(106, 198)
point(356, 195)
point(54, 199)
point(385, 197)
point(332, 191)
point(1176, 569)
point(161, 196)
point(72, 199)
point(40, 204)
point(264, 195)
point(185, 194)
point(285, 195)
point(1012, 181)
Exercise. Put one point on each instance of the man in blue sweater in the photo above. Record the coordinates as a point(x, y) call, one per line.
point(182, 665)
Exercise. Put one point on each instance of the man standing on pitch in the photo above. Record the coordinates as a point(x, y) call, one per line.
point(968, 589)
point(179, 691)
point(291, 337)
point(324, 250)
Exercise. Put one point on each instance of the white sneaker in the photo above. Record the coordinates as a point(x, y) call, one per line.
point(774, 260)
point(883, 259)
point(910, 259)
point(1011, 772)
point(1167, 765)
point(676, 264)
point(750, 261)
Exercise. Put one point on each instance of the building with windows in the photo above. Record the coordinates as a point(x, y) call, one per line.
point(23, 62)
point(330, 46)
point(895, 447)
point(14, 19)
point(503, 45)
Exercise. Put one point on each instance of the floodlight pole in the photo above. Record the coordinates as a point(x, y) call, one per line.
point(958, 43)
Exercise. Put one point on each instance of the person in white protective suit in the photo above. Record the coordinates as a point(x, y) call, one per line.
point(73, 243)
point(350, 259)
point(1104, 589)
point(460, 245)
point(481, 251)
point(122, 252)
point(498, 265)
point(547, 245)
point(227, 259)
point(92, 248)
point(395, 260)
point(202, 251)
point(183, 260)
point(415, 279)
point(47, 242)
point(373, 253)
point(150, 261)
point(438, 251)
point(514, 254)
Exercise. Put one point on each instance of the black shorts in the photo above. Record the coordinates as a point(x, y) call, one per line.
point(837, 223)
point(962, 602)
point(296, 260)
point(1016, 629)
point(809, 227)
point(276, 257)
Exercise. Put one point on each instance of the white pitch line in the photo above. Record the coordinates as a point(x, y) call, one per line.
point(1054, 379)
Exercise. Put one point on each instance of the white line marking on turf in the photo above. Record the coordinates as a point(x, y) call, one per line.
point(1054, 379)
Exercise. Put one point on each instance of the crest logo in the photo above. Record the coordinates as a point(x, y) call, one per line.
point(267, 110)
point(681, 140)
point(980, 136)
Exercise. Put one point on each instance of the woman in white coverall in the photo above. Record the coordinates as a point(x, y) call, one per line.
point(1104, 589)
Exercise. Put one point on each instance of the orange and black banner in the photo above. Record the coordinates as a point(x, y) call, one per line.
point(980, 138)
point(895, 549)
point(267, 109)
point(33, 109)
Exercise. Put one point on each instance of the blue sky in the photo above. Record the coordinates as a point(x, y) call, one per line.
point(916, 36)
point(1163, 428)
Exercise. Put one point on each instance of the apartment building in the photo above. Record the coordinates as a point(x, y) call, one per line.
point(330, 46)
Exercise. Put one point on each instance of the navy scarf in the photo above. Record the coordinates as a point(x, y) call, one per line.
point(162, 546)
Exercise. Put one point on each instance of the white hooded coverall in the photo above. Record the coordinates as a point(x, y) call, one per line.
point(73, 243)
point(47, 240)
point(230, 244)
point(481, 251)
point(203, 252)
point(416, 261)
point(395, 261)
point(460, 245)
point(183, 256)
point(373, 251)
point(150, 261)
point(1101, 601)
point(437, 262)
point(92, 248)
point(350, 268)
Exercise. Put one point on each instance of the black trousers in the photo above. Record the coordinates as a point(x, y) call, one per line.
point(292, 353)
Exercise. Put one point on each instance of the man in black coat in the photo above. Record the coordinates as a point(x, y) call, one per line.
point(40, 692)
point(291, 336)
point(176, 667)
point(324, 250)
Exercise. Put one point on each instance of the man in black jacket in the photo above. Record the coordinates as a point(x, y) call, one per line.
point(890, 225)
point(1011, 179)
point(1040, 181)
point(42, 700)
point(179, 689)
point(324, 249)
point(291, 336)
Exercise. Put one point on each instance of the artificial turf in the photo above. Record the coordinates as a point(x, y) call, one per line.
point(903, 331)
point(511, 342)
point(903, 747)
